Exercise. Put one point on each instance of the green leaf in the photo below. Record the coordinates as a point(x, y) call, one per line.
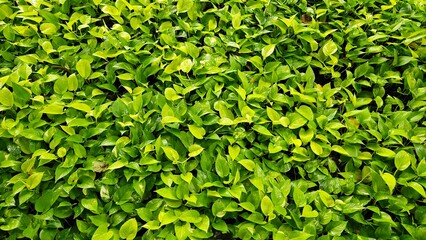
point(316, 148)
point(90, 204)
point(297, 121)
point(72, 82)
point(307, 212)
point(421, 168)
point(268, 50)
point(47, 47)
point(192, 50)
point(226, 121)
point(118, 108)
point(167, 193)
point(195, 150)
point(295, 235)
point(419, 188)
point(20, 94)
point(80, 106)
point(11, 224)
point(267, 206)
point(102, 233)
point(182, 230)
point(197, 132)
point(53, 109)
point(248, 206)
point(326, 198)
point(6, 97)
point(329, 48)
point(272, 114)
point(336, 228)
point(248, 164)
point(310, 75)
point(262, 130)
point(361, 70)
point(111, 10)
point(171, 154)
point(184, 5)
point(306, 135)
point(234, 151)
point(385, 152)
point(46, 201)
point(34, 180)
point(190, 216)
point(403, 160)
point(204, 224)
point(84, 68)
point(48, 28)
point(306, 112)
point(171, 94)
point(170, 119)
point(221, 166)
point(129, 229)
point(167, 218)
point(299, 197)
point(389, 180)
point(186, 65)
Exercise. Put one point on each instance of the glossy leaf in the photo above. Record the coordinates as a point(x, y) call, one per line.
point(34, 180)
point(389, 180)
point(403, 160)
point(84, 68)
point(129, 229)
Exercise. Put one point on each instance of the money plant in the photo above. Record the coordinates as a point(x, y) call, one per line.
point(212, 119)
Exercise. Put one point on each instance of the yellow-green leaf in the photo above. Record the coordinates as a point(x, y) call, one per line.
point(316, 148)
point(403, 160)
point(268, 50)
point(129, 229)
point(419, 188)
point(262, 130)
point(195, 150)
point(84, 68)
point(248, 164)
point(326, 198)
point(48, 28)
point(389, 180)
point(34, 180)
point(184, 5)
point(329, 48)
point(171, 153)
point(307, 212)
point(6, 97)
point(80, 106)
point(234, 151)
point(197, 132)
point(53, 109)
point(385, 152)
point(266, 206)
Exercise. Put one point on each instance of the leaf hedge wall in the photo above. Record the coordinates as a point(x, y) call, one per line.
point(212, 119)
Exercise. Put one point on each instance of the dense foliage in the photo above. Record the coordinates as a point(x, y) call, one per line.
point(216, 119)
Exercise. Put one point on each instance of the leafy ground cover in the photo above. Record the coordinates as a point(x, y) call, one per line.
point(271, 119)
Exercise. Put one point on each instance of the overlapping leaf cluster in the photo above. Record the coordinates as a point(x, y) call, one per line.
point(214, 119)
